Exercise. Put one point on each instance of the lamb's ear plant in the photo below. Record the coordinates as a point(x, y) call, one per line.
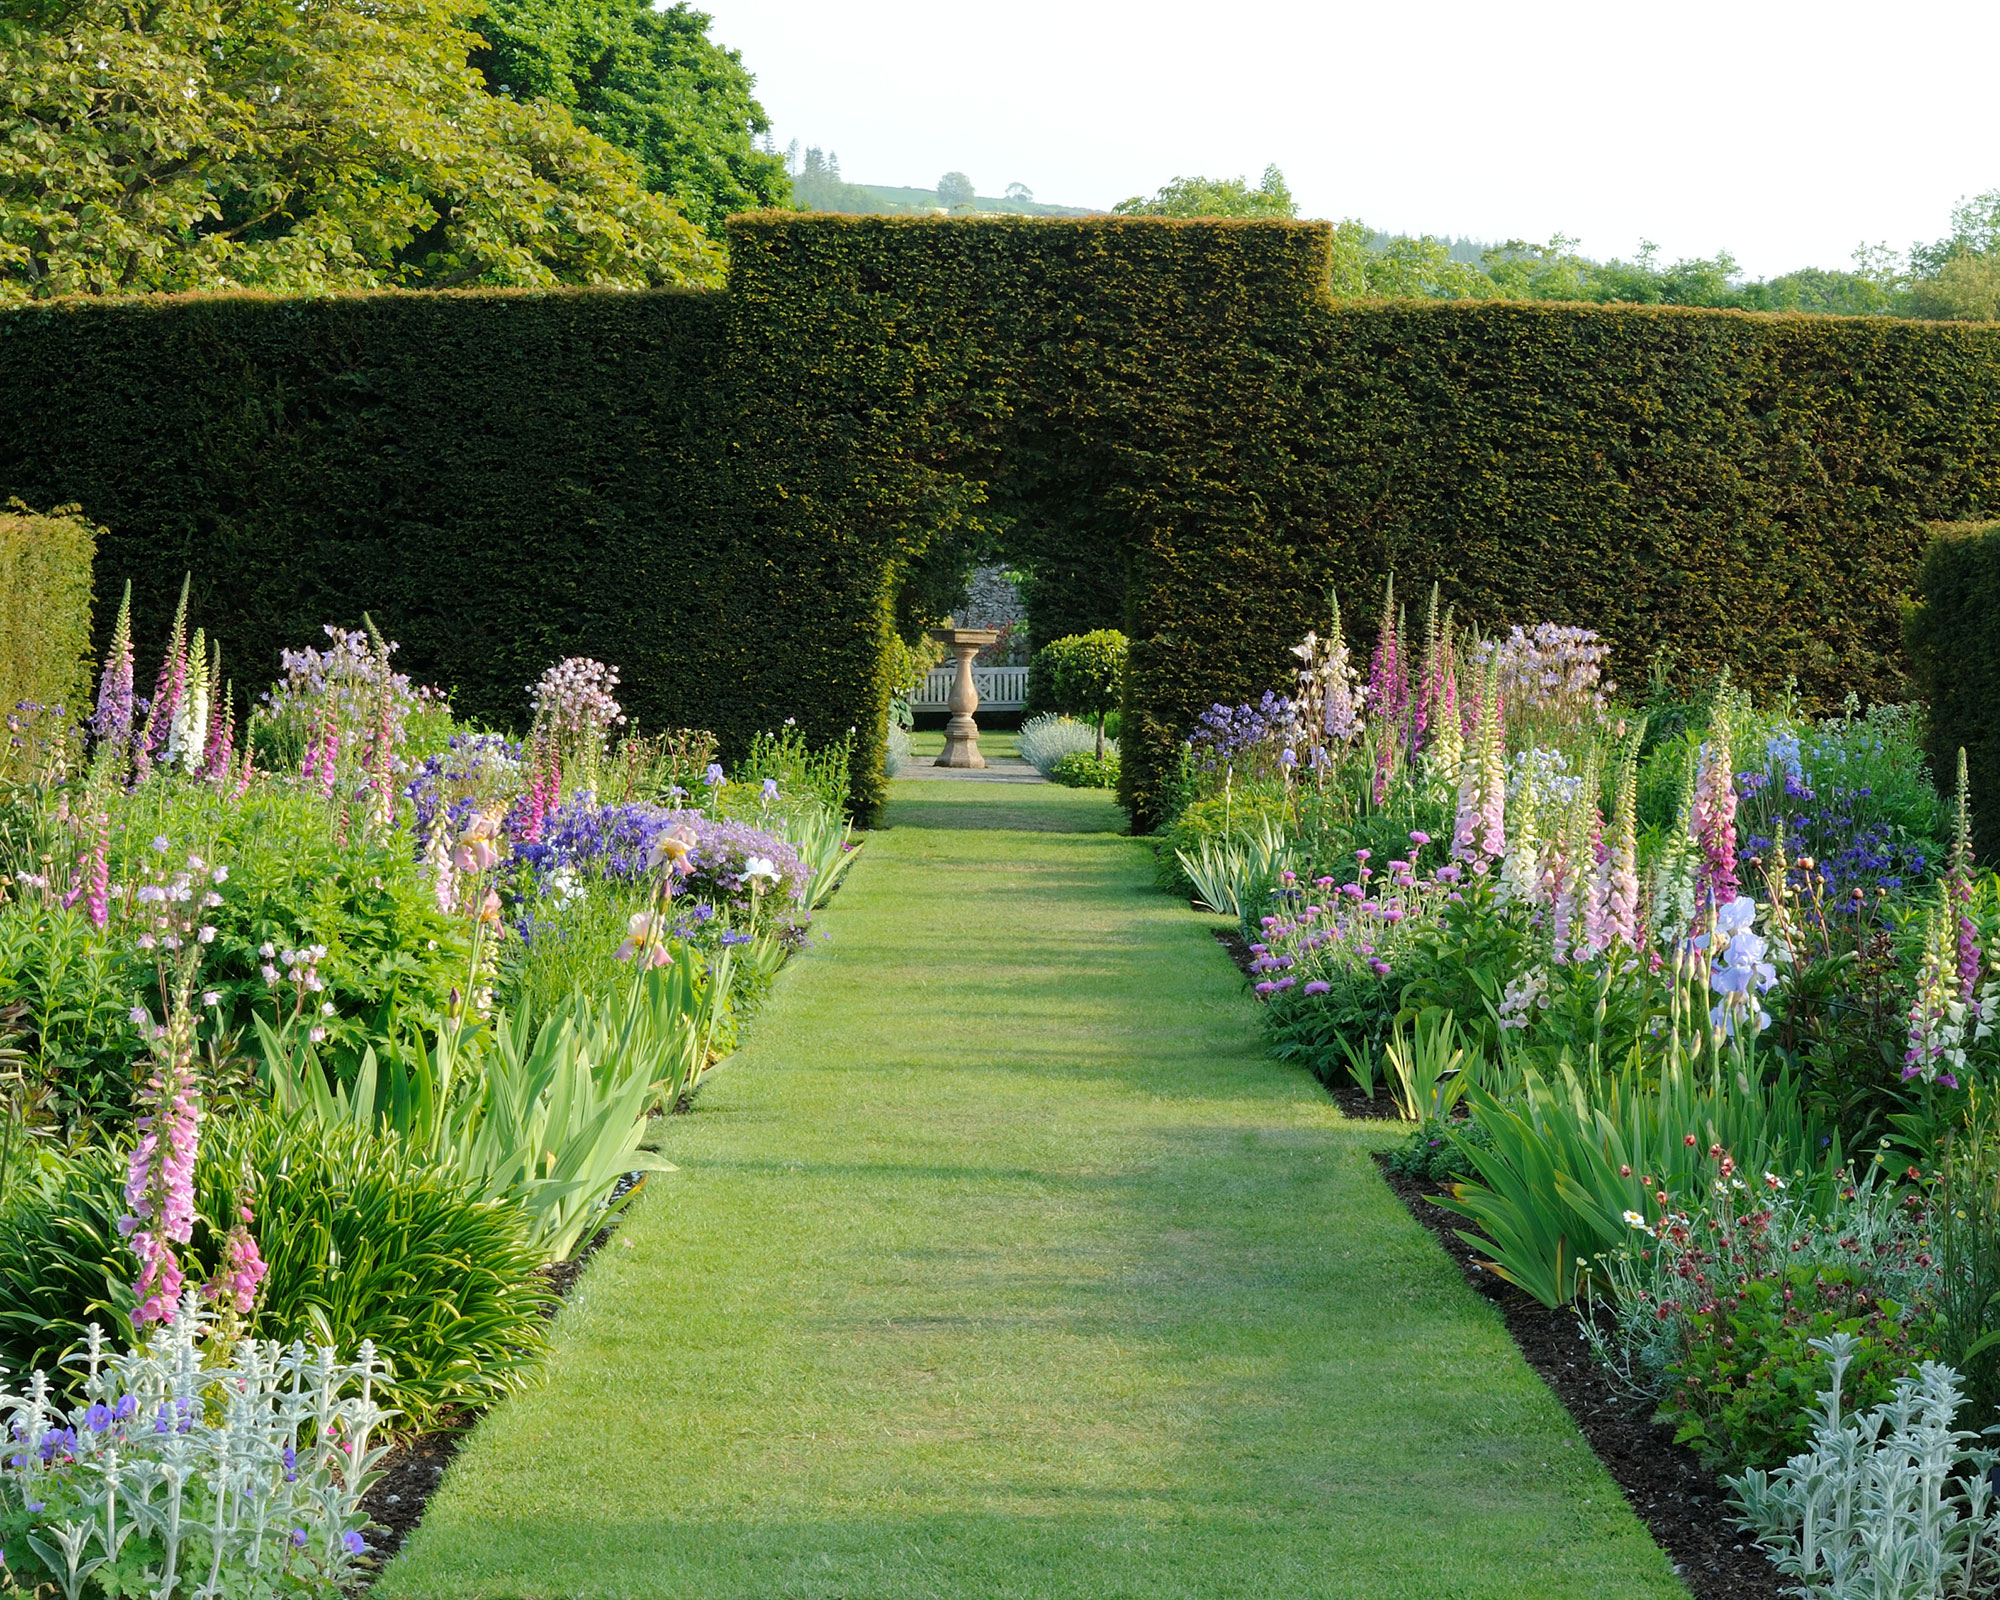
point(187, 1469)
point(1889, 1504)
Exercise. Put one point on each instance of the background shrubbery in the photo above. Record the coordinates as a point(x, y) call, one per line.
point(1165, 424)
point(1954, 638)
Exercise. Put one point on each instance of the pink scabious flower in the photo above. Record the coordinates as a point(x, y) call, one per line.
point(1713, 820)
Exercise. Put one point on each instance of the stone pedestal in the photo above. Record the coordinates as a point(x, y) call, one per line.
point(961, 734)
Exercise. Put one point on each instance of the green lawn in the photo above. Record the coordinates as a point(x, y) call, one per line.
point(1003, 1263)
point(929, 743)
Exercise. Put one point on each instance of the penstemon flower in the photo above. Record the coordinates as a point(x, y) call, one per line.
point(1714, 817)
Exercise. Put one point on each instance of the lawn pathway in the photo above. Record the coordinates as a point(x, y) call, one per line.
point(1002, 1264)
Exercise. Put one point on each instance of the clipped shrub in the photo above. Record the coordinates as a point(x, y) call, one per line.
point(362, 1243)
point(45, 577)
point(1083, 674)
point(1084, 769)
point(1953, 632)
point(1047, 738)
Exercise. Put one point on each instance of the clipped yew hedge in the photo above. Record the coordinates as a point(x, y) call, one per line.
point(1169, 423)
point(1954, 635)
point(499, 479)
point(45, 577)
point(1172, 421)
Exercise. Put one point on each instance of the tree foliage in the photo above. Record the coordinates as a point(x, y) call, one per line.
point(955, 189)
point(1215, 197)
point(652, 83)
point(301, 145)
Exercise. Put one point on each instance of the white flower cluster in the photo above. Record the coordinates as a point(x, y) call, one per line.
point(1551, 669)
point(573, 699)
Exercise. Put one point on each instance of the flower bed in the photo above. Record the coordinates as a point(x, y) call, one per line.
point(1692, 1005)
point(338, 1027)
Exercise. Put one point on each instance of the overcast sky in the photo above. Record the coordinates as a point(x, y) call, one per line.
point(1785, 133)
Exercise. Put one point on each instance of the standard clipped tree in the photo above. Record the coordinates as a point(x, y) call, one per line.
point(1085, 675)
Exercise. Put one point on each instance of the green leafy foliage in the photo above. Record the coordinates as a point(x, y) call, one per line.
point(363, 1241)
point(652, 83)
point(1566, 1160)
point(45, 587)
point(1743, 1393)
point(1215, 197)
point(266, 146)
point(1082, 769)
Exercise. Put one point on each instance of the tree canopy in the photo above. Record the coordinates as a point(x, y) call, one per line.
point(1215, 197)
point(652, 83)
point(301, 145)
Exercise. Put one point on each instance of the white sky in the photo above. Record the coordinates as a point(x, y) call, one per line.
point(1783, 132)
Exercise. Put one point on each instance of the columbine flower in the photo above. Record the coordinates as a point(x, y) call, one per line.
point(211, 997)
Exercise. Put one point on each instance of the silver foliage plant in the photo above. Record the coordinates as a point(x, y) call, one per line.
point(192, 1472)
point(1046, 739)
point(1889, 1504)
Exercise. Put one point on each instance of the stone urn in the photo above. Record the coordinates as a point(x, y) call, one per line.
point(961, 734)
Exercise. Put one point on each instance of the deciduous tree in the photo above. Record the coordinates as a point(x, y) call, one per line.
point(301, 144)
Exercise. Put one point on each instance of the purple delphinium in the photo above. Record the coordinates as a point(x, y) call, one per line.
point(615, 843)
point(114, 693)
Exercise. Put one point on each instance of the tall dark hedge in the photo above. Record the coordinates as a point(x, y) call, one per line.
point(1954, 636)
point(1169, 424)
point(498, 479)
point(1178, 409)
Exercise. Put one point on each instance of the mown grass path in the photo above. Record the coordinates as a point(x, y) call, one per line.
point(1003, 1263)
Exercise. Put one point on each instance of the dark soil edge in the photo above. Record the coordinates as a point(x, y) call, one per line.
point(414, 1467)
point(1683, 1505)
